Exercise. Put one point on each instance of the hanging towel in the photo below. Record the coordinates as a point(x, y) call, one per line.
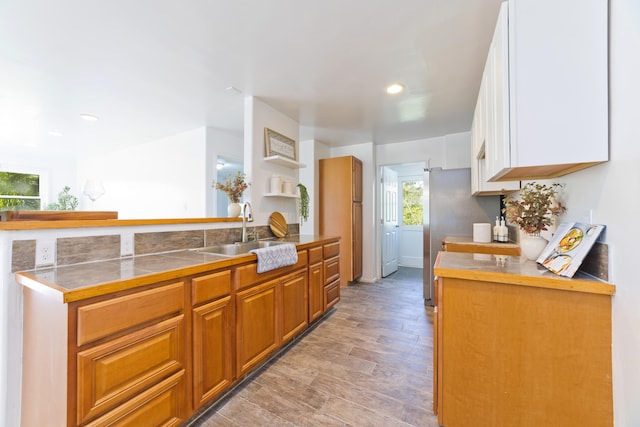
point(276, 256)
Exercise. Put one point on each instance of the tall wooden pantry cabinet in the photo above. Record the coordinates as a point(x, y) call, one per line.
point(341, 211)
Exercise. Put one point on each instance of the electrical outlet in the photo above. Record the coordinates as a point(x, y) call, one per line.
point(45, 252)
point(126, 244)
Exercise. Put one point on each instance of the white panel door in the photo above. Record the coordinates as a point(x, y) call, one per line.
point(390, 225)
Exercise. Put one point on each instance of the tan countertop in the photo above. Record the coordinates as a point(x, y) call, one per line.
point(81, 281)
point(514, 271)
point(468, 240)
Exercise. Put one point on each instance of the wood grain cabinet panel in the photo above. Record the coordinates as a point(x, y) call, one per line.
point(210, 287)
point(212, 350)
point(331, 270)
point(331, 294)
point(161, 405)
point(316, 291)
point(115, 371)
point(99, 320)
point(257, 326)
point(294, 304)
point(340, 204)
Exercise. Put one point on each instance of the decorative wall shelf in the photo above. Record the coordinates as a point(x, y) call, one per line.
point(283, 161)
point(288, 196)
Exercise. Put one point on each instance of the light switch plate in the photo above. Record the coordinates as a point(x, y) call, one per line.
point(126, 244)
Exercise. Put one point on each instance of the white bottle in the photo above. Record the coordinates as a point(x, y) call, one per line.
point(504, 231)
point(496, 231)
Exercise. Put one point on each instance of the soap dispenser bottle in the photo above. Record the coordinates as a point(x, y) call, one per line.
point(504, 231)
point(496, 230)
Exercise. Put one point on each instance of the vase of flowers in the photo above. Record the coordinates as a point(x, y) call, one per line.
point(533, 213)
point(234, 186)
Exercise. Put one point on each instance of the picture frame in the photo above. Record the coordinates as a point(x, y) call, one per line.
point(279, 145)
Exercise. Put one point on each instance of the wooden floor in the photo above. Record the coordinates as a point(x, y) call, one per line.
point(369, 363)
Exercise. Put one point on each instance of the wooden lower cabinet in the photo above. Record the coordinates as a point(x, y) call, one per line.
point(114, 372)
point(512, 355)
point(161, 405)
point(154, 356)
point(316, 292)
point(257, 326)
point(212, 350)
point(295, 306)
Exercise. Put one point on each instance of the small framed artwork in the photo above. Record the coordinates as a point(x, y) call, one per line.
point(280, 145)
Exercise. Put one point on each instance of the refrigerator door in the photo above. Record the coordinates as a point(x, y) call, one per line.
point(452, 212)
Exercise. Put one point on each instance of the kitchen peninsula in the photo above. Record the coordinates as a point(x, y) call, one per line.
point(516, 345)
point(159, 336)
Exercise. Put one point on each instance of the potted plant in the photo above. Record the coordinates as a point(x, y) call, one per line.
point(234, 186)
point(533, 213)
point(304, 203)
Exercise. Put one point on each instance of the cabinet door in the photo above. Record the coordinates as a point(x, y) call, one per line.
point(316, 291)
point(498, 121)
point(212, 350)
point(257, 333)
point(294, 304)
point(356, 244)
point(356, 179)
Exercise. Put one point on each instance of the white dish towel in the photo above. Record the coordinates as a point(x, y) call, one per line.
point(276, 256)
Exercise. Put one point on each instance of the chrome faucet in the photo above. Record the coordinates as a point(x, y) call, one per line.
point(246, 219)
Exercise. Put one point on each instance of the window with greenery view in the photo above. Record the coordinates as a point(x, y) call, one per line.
point(412, 202)
point(19, 191)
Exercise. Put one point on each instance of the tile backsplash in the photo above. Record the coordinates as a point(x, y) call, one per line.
point(74, 250)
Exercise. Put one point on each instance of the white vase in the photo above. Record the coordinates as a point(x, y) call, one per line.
point(233, 210)
point(532, 245)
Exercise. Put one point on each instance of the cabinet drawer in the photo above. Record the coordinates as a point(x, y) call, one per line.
point(162, 405)
point(331, 270)
point(248, 274)
point(211, 286)
point(331, 294)
point(104, 318)
point(315, 255)
point(113, 372)
point(331, 250)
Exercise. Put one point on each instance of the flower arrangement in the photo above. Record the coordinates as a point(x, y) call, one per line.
point(536, 209)
point(234, 186)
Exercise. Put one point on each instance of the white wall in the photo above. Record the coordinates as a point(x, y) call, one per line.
point(311, 151)
point(160, 179)
point(612, 192)
point(257, 116)
point(228, 147)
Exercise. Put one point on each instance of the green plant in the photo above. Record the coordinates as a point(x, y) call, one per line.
point(234, 186)
point(66, 201)
point(304, 202)
point(536, 208)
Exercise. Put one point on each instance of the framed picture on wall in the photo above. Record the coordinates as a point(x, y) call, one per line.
point(280, 145)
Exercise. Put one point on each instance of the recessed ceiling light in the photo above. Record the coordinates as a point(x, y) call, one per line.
point(395, 88)
point(54, 133)
point(89, 117)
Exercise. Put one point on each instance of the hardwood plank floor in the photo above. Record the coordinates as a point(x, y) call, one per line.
point(368, 363)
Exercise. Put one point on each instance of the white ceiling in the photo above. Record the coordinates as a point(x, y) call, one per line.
point(153, 68)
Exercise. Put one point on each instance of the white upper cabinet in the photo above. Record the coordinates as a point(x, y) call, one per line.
point(546, 90)
point(488, 120)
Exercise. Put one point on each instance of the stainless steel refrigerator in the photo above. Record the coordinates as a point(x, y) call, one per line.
point(452, 211)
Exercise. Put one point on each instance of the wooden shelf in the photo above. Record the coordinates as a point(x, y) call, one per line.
point(283, 161)
point(288, 196)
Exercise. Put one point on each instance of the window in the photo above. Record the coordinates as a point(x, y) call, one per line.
point(412, 202)
point(19, 191)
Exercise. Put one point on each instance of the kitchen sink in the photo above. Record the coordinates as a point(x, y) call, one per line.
point(231, 249)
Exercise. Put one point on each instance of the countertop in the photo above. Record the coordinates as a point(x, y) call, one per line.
point(81, 281)
point(513, 270)
point(468, 240)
